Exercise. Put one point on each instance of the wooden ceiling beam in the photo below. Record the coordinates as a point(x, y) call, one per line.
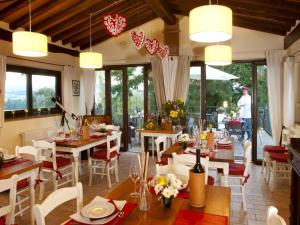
point(12, 8)
point(81, 31)
point(140, 19)
point(292, 37)
point(161, 10)
point(71, 22)
point(23, 20)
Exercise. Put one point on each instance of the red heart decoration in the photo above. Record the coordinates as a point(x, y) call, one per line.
point(151, 45)
point(138, 38)
point(114, 24)
point(163, 52)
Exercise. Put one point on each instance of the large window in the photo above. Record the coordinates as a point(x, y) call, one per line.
point(100, 92)
point(28, 91)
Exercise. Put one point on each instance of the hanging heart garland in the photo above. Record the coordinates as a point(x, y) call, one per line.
point(151, 45)
point(138, 38)
point(114, 24)
point(163, 51)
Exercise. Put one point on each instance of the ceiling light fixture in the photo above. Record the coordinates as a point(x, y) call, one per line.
point(27, 43)
point(90, 60)
point(218, 55)
point(210, 23)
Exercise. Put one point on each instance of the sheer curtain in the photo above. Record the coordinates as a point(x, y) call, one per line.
point(2, 87)
point(88, 82)
point(181, 86)
point(158, 82)
point(289, 87)
point(169, 68)
point(275, 91)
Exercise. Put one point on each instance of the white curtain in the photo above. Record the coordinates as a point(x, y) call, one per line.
point(181, 86)
point(2, 87)
point(275, 91)
point(88, 80)
point(67, 88)
point(169, 68)
point(289, 91)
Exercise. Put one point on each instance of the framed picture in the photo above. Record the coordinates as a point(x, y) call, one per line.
point(76, 87)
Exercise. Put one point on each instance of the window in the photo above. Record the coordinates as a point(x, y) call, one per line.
point(100, 92)
point(28, 91)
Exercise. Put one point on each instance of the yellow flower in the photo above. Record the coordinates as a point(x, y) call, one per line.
point(162, 180)
point(174, 114)
point(180, 100)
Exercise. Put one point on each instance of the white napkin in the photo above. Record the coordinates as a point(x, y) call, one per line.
point(79, 218)
point(112, 127)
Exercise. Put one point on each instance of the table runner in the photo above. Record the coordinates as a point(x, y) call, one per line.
point(128, 208)
point(188, 217)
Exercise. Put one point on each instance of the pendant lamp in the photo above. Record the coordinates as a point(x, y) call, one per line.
point(210, 23)
point(90, 60)
point(218, 55)
point(27, 43)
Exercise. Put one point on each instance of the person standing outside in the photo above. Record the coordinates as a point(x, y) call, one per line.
point(244, 105)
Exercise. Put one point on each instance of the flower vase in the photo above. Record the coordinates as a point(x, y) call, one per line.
point(184, 145)
point(167, 202)
point(144, 201)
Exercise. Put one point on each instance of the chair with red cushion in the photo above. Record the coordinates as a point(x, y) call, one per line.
point(31, 153)
point(102, 161)
point(240, 172)
point(55, 169)
point(158, 141)
point(7, 212)
point(278, 166)
point(270, 149)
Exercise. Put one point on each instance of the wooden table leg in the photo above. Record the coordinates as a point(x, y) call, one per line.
point(76, 166)
point(152, 139)
point(226, 173)
point(142, 142)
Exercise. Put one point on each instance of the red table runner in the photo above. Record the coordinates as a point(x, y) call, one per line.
point(187, 217)
point(14, 162)
point(128, 208)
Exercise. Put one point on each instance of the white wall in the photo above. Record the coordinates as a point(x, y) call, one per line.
point(246, 44)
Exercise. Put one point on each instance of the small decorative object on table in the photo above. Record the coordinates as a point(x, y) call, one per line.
point(150, 125)
point(175, 110)
point(184, 139)
point(168, 186)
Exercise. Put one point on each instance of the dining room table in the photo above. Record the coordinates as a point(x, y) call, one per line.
point(78, 145)
point(217, 208)
point(219, 157)
point(25, 169)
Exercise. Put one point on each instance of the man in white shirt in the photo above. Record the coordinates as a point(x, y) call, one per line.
point(244, 105)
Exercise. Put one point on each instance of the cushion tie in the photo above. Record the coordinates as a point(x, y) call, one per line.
point(246, 179)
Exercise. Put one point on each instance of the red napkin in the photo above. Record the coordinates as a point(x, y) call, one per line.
point(128, 208)
point(187, 217)
point(14, 162)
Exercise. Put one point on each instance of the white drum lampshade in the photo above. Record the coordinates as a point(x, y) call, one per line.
point(31, 44)
point(210, 23)
point(218, 55)
point(90, 60)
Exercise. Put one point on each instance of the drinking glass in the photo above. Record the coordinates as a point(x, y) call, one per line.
point(135, 176)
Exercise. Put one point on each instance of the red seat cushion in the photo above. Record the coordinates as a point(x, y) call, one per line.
point(102, 154)
point(22, 184)
point(274, 148)
point(104, 145)
point(2, 220)
point(60, 162)
point(279, 157)
point(63, 153)
point(236, 169)
point(163, 161)
point(210, 180)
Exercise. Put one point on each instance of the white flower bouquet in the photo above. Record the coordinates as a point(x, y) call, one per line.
point(167, 186)
point(184, 138)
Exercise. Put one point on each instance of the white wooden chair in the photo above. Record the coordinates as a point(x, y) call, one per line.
point(190, 160)
point(55, 199)
point(273, 218)
point(160, 140)
point(54, 167)
point(7, 212)
point(26, 152)
point(278, 166)
point(240, 172)
point(103, 161)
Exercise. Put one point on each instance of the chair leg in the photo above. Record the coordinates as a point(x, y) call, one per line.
point(116, 170)
point(244, 198)
point(19, 205)
point(55, 181)
point(108, 175)
point(90, 173)
point(42, 187)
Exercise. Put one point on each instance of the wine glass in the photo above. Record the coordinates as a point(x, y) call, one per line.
point(135, 176)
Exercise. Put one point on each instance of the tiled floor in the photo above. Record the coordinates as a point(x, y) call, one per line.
point(259, 196)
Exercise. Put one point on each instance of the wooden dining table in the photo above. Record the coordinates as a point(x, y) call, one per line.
point(26, 169)
point(217, 203)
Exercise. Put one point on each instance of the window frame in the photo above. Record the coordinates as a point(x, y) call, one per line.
point(30, 71)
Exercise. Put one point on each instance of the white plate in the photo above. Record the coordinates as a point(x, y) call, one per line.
point(224, 142)
point(58, 138)
point(79, 218)
point(99, 134)
point(98, 210)
point(9, 158)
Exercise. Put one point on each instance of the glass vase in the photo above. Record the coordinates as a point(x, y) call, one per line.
point(144, 197)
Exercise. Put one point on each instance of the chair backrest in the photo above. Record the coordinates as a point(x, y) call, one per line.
point(9, 210)
point(28, 152)
point(273, 218)
point(190, 160)
point(158, 141)
point(247, 159)
point(116, 138)
point(55, 199)
point(47, 151)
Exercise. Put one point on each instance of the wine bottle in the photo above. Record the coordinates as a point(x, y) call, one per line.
point(198, 168)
